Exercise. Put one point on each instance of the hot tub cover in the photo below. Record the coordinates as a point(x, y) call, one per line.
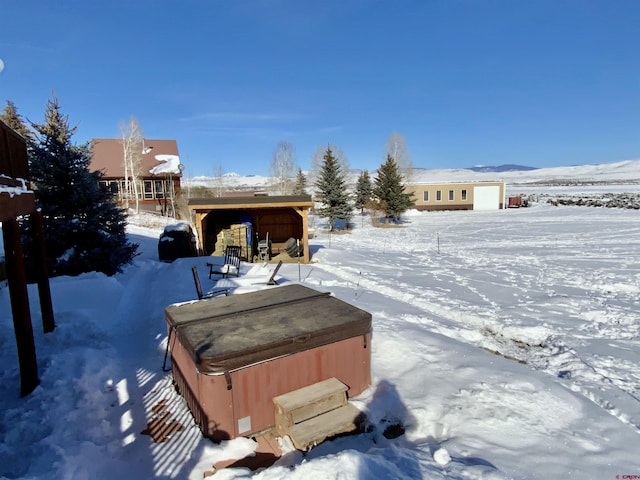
point(227, 333)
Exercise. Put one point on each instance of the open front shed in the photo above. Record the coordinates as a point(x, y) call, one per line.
point(245, 221)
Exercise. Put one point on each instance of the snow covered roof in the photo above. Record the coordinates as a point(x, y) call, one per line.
point(170, 165)
point(161, 157)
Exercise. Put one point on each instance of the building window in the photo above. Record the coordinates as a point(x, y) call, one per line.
point(148, 189)
point(438, 195)
point(425, 196)
point(451, 195)
point(159, 189)
point(464, 194)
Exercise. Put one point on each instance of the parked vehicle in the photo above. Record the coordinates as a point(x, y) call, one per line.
point(177, 241)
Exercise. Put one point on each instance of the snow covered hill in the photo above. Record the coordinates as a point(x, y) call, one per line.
point(624, 172)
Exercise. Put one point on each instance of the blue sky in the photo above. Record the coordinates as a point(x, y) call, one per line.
point(466, 82)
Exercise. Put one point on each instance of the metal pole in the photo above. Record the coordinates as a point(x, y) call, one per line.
point(298, 245)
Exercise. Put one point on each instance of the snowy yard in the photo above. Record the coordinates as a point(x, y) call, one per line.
point(506, 343)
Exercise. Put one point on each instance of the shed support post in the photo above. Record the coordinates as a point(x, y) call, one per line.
point(17, 280)
point(44, 290)
point(304, 213)
point(200, 231)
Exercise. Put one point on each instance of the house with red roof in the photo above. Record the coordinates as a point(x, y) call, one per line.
point(158, 177)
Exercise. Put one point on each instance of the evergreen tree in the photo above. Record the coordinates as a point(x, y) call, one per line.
point(300, 187)
point(332, 192)
point(364, 191)
point(389, 190)
point(13, 119)
point(84, 229)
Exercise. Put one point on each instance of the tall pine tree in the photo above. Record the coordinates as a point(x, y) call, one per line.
point(389, 190)
point(300, 187)
point(364, 191)
point(84, 228)
point(331, 191)
point(13, 119)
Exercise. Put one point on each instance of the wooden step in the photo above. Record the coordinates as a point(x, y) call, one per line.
point(312, 414)
point(317, 429)
point(308, 402)
point(298, 398)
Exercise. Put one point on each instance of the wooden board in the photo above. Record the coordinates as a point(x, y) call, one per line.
point(314, 431)
point(298, 398)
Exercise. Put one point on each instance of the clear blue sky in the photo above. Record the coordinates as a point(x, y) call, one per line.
point(538, 82)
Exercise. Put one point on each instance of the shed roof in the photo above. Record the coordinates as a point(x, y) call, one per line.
point(230, 203)
point(108, 156)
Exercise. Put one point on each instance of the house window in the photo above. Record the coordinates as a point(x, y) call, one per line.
point(464, 194)
point(159, 189)
point(126, 189)
point(439, 195)
point(425, 196)
point(148, 189)
point(451, 195)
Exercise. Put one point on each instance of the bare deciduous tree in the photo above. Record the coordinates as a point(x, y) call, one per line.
point(132, 144)
point(396, 148)
point(219, 184)
point(283, 167)
point(317, 160)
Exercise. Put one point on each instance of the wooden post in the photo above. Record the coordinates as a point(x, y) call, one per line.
point(304, 213)
point(17, 280)
point(44, 291)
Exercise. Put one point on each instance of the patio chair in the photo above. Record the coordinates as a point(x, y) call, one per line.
point(231, 265)
point(210, 294)
point(272, 279)
point(264, 249)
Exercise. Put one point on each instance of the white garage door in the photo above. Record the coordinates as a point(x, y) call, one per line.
point(486, 198)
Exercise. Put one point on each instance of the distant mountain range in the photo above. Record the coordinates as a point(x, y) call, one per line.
point(626, 171)
point(501, 168)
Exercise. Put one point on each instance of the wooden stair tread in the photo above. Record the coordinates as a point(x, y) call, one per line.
point(312, 409)
point(313, 431)
point(299, 398)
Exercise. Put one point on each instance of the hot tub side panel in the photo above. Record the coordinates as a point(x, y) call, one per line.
point(207, 396)
point(248, 407)
point(254, 387)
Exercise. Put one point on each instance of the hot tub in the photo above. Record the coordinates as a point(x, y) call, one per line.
point(231, 355)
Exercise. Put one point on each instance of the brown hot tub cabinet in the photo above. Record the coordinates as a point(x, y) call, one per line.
point(230, 356)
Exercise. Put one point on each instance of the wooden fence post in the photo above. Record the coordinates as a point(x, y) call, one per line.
point(44, 290)
point(17, 279)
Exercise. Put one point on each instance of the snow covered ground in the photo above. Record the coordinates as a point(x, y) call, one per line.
point(506, 343)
